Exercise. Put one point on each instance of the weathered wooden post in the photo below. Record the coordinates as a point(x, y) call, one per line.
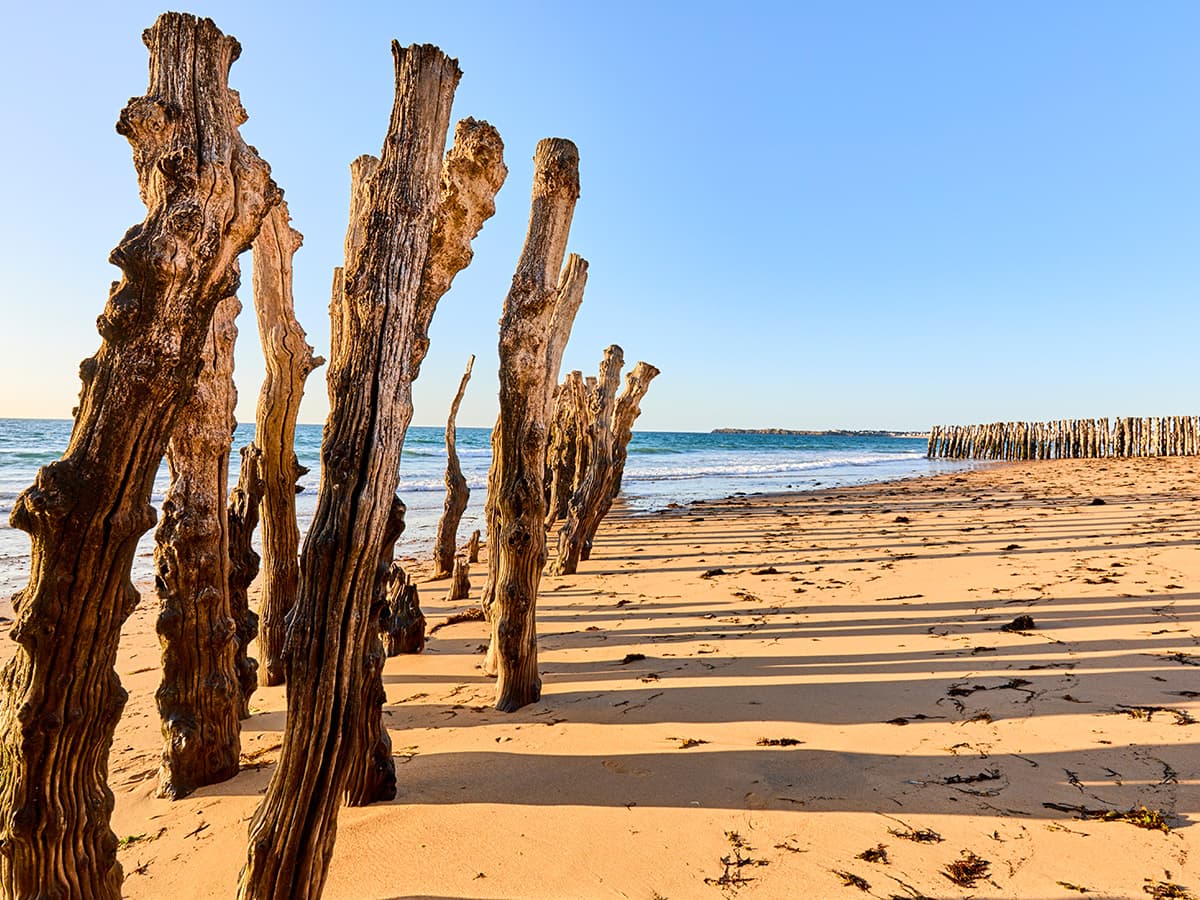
point(585, 504)
point(206, 194)
point(244, 504)
point(628, 408)
point(415, 230)
point(460, 580)
point(457, 492)
point(289, 360)
point(566, 451)
point(199, 698)
point(516, 528)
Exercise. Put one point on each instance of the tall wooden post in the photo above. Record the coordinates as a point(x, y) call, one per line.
point(199, 698)
point(289, 360)
point(416, 213)
point(206, 193)
point(517, 536)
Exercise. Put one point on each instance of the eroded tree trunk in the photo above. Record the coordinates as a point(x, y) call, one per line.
point(516, 535)
point(199, 698)
point(415, 231)
point(457, 492)
point(206, 193)
point(243, 519)
point(473, 547)
point(289, 360)
point(629, 407)
point(584, 510)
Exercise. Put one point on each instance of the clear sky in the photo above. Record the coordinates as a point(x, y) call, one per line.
point(837, 214)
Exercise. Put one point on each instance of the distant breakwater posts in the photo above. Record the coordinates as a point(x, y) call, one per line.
point(1068, 439)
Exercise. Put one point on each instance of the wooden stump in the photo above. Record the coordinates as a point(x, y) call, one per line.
point(243, 519)
point(206, 193)
point(473, 547)
point(289, 360)
point(516, 532)
point(405, 247)
point(199, 698)
point(406, 623)
point(457, 492)
point(460, 582)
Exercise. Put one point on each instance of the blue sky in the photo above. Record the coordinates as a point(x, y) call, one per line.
point(838, 214)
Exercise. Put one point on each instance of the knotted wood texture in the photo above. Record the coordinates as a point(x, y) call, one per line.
point(516, 535)
point(206, 194)
point(383, 304)
point(199, 698)
point(289, 360)
point(457, 492)
point(584, 509)
point(244, 504)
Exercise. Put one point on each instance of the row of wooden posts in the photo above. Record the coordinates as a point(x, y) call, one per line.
point(332, 611)
point(1068, 439)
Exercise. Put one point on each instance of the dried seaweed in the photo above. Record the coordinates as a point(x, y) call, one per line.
point(1140, 816)
point(876, 854)
point(849, 879)
point(917, 835)
point(968, 870)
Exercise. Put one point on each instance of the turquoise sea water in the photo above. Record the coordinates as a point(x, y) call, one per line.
point(663, 468)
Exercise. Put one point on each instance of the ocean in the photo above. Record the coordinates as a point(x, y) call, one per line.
point(663, 468)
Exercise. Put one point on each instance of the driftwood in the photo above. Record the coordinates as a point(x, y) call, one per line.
point(199, 698)
point(473, 547)
point(417, 217)
point(289, 360)
point(584, 510)
point(460, 580)
point(404, 628)
point(457, 492)
point(205, 193)
point(516, 532)
point(629, 407)
point(244, 504)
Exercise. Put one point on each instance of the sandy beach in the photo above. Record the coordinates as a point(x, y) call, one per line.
point(809, 695)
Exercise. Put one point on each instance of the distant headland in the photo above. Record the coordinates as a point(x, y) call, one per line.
point(832, 432)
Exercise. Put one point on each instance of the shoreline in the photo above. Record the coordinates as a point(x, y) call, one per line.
point(875, 644)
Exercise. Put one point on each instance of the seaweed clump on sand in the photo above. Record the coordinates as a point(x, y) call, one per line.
point(1139, 816)
point(917, 835)
point(849, 879)
point(1166, 890)
point(876, 854)
point(968, 870)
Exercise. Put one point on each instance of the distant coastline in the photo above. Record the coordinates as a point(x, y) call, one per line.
point(834, 432)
